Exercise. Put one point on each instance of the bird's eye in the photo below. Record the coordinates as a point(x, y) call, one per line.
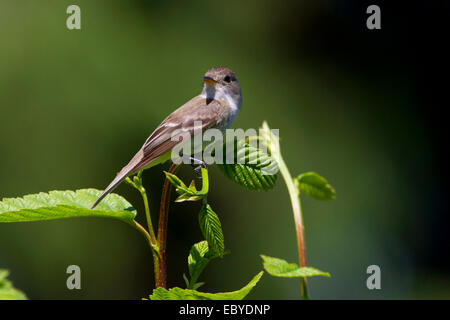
point(227, 79)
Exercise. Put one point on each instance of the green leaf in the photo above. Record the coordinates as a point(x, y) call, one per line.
point(188, 294)
point(199, 257)
point(211, 229)
point(197, 285)
point(315, 186)
point(65, 204)
point(186, 280)
point(177, 183)
point(187, 197)
point(252, 168)
point(281, 268)
point(270, 139)
point(7, 291)
point(189, 193)
point(192, 187)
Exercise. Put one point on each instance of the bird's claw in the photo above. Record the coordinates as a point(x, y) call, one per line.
point(198, 165)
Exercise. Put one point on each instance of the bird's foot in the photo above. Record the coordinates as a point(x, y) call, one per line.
point(198, 165)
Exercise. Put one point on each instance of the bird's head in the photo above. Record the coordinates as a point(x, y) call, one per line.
point(222, 83)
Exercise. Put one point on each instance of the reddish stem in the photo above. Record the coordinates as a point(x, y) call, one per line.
point(161, 273)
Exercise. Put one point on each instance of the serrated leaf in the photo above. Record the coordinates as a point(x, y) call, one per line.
point(251, 167)
point(281, 268)
point(65, 204)
point(211, 229)
point(199, 257)
point(197, 260)
point(188, 294)
point(315, 186)
point(7, 290)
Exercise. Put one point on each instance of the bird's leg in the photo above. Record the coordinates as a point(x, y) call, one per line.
point(201, 164)
point(197, 164)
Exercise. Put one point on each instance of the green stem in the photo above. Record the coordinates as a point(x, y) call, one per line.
point(159, 276)
point(297, 211)
point(147, 214)
point(205, 182)
point(144, 232)
point(150, 235)
point(159, 244)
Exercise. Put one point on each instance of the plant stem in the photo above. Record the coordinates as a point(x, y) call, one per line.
point(150, 235)
point(153, 242)
point(147, 214)
point(142, 230)
point(297, 211)
point(161, 266)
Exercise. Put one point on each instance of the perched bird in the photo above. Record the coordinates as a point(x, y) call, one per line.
point(216, 107)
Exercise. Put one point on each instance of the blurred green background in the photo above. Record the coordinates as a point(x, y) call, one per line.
point(76, 105)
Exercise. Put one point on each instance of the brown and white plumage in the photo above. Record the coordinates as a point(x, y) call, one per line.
point(215, 107)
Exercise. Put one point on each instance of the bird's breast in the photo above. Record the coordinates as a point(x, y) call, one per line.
point(228, 114)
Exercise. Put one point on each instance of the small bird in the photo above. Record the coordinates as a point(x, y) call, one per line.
point(216, 107)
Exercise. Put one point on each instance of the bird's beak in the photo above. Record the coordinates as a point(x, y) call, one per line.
point(208, 80)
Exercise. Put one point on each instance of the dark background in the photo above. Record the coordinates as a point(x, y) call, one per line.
point(364, 108)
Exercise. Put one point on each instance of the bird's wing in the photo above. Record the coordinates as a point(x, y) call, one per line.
point(159, 142)
point(184, 118)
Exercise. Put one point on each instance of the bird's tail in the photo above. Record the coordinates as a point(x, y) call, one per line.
point(117, 180)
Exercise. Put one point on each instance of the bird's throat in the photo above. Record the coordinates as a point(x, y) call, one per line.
point(209, 92)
